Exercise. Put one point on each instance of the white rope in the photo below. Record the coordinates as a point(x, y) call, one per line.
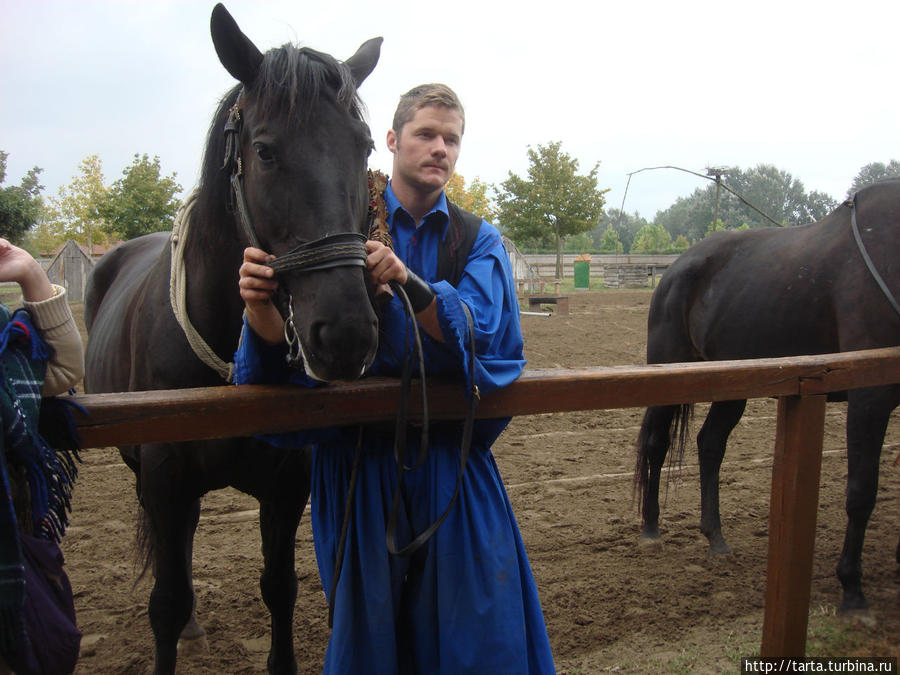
point(178, 293)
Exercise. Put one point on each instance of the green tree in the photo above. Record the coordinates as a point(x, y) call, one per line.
point(610, 243)
point(141, 201)
point(76, 211)
point(652, 239)
point(20, 205)
point(777, 194)
point(626, 225)
point(680, 245)
point(872, 173)
point(473, 198)
point(553, 202)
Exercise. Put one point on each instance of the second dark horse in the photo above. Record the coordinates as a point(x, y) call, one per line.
point(288, 150)
point(780, 292)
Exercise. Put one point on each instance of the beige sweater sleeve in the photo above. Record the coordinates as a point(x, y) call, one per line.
point(53, 318)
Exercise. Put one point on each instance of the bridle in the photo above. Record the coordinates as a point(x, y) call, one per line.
point(345, 249)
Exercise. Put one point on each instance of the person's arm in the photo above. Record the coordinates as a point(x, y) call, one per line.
point(53, 318)
point(257, 284)
point(488, 291)
point(50, 312)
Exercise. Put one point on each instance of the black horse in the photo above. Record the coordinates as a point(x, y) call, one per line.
point(285, 169)
point(825, 287)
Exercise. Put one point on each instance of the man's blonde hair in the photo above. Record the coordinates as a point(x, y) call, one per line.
point(423, 96)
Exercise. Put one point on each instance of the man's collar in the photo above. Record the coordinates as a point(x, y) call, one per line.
point(391, 204)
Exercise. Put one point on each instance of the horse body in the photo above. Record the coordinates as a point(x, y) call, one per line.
point(304, 150)
point(770, 293)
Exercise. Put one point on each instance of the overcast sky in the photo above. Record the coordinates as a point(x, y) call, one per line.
point(810, 87)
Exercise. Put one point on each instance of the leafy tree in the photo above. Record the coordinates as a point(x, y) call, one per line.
point(578, 243)
point(610, 243)
point(775, 193)
point(680, 245)
point(473, 198)
point(872, 173)
point(652, 239)
point(141, 201)
point(20, 205)
point(553, 202)
point(626, 226)
point(77, 210)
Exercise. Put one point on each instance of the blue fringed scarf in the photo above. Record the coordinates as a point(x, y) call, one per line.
point(50, 474)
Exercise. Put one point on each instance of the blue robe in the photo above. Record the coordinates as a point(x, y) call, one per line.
point(465, 602)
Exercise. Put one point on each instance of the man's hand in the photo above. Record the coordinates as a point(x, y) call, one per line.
point(384, 265)
point(257, 284)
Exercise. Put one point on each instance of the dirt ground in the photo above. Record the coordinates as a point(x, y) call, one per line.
point(610, 603)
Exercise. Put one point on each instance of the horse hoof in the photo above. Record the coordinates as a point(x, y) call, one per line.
point(188, 646)
point(859, 617)
point(648, 543)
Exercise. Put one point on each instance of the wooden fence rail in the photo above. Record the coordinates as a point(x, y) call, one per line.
point(800, 383)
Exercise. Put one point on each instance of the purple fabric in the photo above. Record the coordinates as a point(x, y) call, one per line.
point(54, 639)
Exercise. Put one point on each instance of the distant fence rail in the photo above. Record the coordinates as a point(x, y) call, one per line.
point(800, 383)
point(545, 263)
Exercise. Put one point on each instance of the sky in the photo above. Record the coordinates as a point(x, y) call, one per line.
point(809, 87)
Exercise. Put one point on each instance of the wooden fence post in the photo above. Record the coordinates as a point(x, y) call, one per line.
point(792, 524)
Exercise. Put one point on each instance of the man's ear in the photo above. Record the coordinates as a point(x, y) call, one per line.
point(392, 141)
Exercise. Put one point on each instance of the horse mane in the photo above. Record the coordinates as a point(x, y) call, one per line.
point(290, 79)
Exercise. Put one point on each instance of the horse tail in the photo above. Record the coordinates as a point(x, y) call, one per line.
point(144, 545)
point(664, 429)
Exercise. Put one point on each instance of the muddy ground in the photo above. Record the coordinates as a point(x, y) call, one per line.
point(610, 603)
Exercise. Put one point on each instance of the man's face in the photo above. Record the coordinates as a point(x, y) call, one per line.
point(427, 147)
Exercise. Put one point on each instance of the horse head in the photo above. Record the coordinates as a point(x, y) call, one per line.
point(296, 149)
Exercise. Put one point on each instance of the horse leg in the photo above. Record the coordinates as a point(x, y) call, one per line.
point(278, 521)
point(711, 441)
point(653, 445)
point(171, 605)
point(868, 412)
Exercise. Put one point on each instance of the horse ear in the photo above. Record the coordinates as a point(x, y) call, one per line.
point(362, 63)
point(237, 53)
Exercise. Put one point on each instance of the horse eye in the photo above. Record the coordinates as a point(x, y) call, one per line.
point(264, 152)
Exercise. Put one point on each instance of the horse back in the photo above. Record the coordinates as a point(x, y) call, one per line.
point(778, 291)
point(112, 300)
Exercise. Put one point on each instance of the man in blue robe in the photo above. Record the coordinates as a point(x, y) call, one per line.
point(466, 601)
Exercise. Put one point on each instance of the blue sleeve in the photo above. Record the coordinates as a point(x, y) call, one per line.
point(258, 362)
point(488, 289)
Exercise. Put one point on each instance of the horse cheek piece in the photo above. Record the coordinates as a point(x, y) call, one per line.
point(830, 286)
point(307, 205)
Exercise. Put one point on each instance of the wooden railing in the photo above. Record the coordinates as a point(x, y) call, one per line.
point(799, 383)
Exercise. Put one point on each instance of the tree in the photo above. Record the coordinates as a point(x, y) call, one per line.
point(775, 193)
point(20, 205)
point(553, 202)
point(610, 243)
point(626, 226)
point(76, 211)
point(652, 239)
point(474, 198)
point(141, 201)
point(872, 173)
